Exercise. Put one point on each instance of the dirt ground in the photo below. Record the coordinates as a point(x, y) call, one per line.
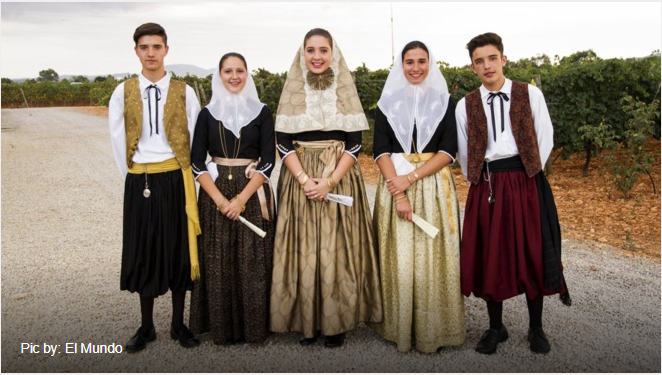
point(589, 207)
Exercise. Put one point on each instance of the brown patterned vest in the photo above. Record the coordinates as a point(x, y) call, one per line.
point(521, 121)
point(174, 120)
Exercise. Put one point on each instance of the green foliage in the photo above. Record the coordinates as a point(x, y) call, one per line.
point(461, 81)
point(80, 78)
point(596, 138)
point(6, 80)
point(627, 170)
point(48, 75)
point(585, 90)
point(269, 86)
point(369, 85)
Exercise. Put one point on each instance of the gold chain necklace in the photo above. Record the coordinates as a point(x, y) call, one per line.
point(224, 145)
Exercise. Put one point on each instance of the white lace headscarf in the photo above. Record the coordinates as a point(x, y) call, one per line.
point(234, 110)
point(405, 104)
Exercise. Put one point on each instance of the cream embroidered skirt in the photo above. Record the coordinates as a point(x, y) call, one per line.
point(325, 274)
point(420, 276)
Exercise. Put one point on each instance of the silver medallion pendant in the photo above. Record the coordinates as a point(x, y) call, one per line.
point(229, 177)
point(146, 193)
point(491, 199)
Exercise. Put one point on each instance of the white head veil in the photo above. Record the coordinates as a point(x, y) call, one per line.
point(405, 104)
point(234, 110)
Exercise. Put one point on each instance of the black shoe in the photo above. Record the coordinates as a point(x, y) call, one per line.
point(139, 341)
point(185, 337)
point(491, 338)
point(307, 341)
point(334, 341)
point(538, 341)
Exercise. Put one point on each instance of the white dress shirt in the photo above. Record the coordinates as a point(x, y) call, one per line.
point(152, 148)
point(505, 146)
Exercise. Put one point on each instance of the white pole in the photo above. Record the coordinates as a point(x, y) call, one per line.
point(392, 45)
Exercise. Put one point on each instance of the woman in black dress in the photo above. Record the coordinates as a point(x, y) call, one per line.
point(231, 300)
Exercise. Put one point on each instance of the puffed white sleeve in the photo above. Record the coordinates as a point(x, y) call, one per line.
point(461, 123)
point(117, 127)
point(542, 123)
point(192, 111)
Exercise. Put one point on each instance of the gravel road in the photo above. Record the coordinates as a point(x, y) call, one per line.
point(61, 248)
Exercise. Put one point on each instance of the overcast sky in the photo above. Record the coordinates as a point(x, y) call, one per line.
point(96, 38)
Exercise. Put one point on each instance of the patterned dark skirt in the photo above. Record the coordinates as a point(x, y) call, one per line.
point(501, 254)
point(231, 299)
point(155, 254)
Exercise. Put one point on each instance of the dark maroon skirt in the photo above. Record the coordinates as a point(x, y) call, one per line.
point(501, 252)
point(155, 255)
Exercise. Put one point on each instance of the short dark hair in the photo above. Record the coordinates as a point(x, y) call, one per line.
point(231, 54)
point(413, 45)
point(150, 28)
point(483, 40)
point(319, 32)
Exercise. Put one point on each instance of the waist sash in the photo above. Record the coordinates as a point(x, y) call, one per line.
point(333, 151)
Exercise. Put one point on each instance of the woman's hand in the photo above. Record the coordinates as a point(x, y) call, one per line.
point(233, 209)
point(316, 189)
point(403, 208)
point(397, 185)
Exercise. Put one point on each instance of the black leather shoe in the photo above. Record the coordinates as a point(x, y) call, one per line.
point(139, 341)
point(334, 341)
point(185, 337)
point(307, 341)
point(538, 341)
point(491, 338)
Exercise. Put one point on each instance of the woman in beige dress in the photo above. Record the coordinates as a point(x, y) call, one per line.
point(414, 145)
point(325, 274)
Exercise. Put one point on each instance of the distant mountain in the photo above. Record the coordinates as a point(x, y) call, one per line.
point(179, 69)
point(184, 69)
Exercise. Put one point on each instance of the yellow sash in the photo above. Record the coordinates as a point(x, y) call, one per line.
point(415, 158)
point(191, 204)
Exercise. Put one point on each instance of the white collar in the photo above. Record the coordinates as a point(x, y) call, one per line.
point(506, 89)
point(163, 83)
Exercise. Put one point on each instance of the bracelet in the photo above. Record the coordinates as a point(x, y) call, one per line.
point(241, 203)
point(331, 181)
point(408, 179)
point(220, 206)
point(401, 198)
point(299, 174)
point(415, 175)
point(305, 178)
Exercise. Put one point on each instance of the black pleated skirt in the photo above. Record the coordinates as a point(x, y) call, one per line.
point(155, 255)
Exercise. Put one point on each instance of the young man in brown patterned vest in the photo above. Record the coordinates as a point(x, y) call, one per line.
point(511, 238)
point(152, 118)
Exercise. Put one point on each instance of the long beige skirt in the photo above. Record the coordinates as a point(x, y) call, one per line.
point(325, 274)
point(420, 276)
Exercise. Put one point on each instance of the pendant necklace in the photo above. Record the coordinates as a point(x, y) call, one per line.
point(490, 199)
point(146, 191)
point(224, 146)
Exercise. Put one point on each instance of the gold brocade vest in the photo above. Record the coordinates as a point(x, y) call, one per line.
point(521, 121)
point(175, 121)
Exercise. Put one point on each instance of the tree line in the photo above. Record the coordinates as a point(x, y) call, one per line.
point(590, 99)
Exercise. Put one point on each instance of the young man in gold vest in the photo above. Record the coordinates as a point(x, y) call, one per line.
point(152, 118)
point(511, 238)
